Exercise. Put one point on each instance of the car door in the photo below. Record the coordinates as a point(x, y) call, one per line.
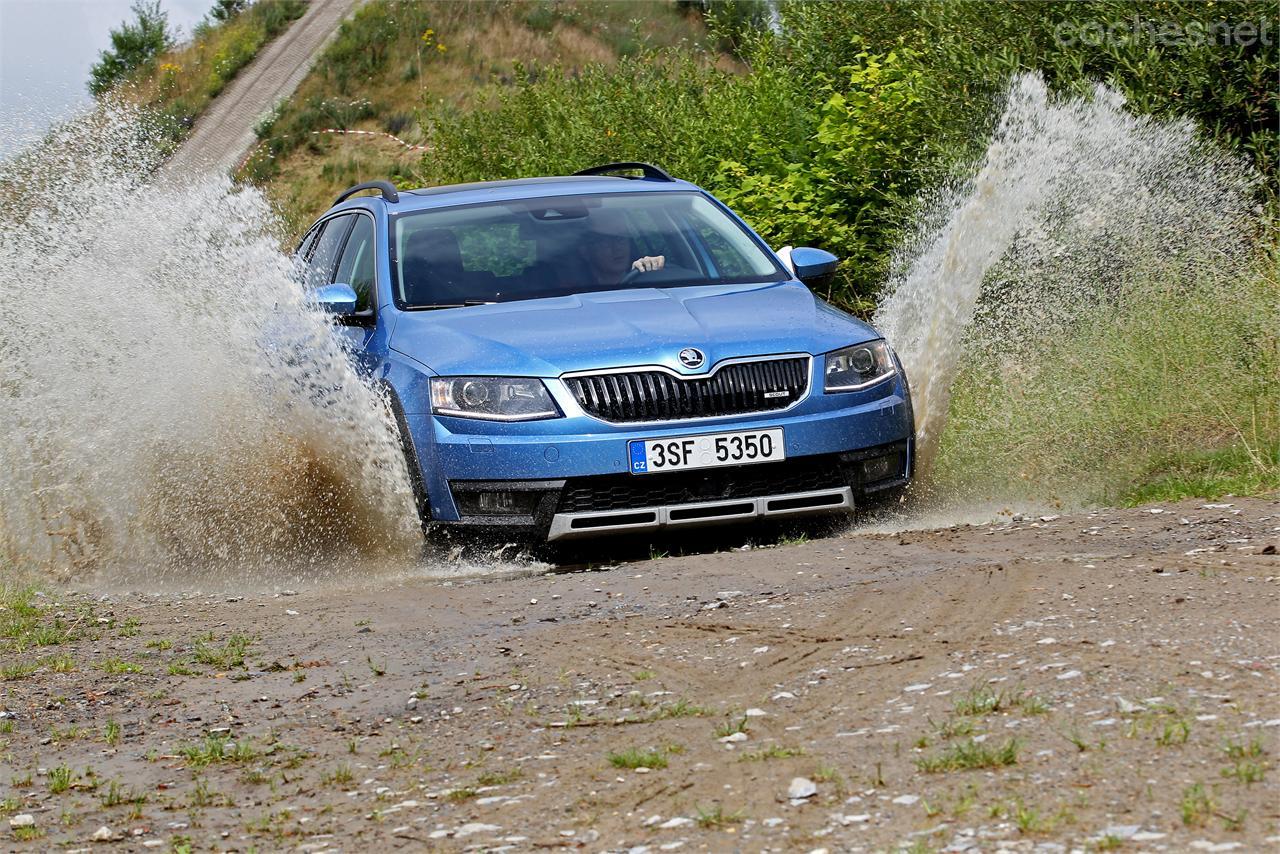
point(355, 267)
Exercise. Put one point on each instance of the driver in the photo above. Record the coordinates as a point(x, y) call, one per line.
point(609, 251)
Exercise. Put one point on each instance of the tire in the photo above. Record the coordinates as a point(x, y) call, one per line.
point(421, 501)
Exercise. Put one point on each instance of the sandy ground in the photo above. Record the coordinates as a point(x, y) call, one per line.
point(1094, 681)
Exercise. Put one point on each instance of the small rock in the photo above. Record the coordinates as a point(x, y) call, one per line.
point(290, 612)
point(22, 820)
point(1070, 674)
point(755, 713)
point(411, 704)
point(102, 834)
point(1127, 708)
point(475, 827)
point(734, 738)
point(801, 788)
point(678, 821)
point(906, 800)
point(152, 843)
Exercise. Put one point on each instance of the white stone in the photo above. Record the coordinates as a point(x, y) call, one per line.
point(1070, 674)
point(678, 821)
point(734, 738)
point(102, 834)
point(22, 820)
point(475, 827)
point(755, 713)
point(906, 800)
point(923, 686)
point(801, 788)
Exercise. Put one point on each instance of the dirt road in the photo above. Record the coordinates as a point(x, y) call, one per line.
point(223, 135)
point(1097, 680)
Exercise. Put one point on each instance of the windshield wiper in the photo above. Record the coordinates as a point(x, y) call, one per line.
point(463, 304)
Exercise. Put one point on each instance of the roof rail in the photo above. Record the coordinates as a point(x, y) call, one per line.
point(650, 171)
point(388, 190)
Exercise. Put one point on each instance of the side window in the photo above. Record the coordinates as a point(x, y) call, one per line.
point(356, 266)
point(324, 252)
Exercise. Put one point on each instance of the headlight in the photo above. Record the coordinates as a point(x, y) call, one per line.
point(492, 398)
point(858, 367)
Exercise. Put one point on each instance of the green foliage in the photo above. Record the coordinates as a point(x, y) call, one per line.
point(1170, 392)
point(135, 44)
point(225, 10)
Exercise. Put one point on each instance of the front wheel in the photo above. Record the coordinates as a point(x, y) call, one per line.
point(421, 502)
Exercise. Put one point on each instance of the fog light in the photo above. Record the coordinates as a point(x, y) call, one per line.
point(881, 468)
point(496, 502)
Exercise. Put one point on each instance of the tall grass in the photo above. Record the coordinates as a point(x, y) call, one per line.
point(1169, 391)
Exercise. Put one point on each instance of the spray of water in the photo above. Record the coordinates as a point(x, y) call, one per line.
point(1076, 206)
point(170, 404)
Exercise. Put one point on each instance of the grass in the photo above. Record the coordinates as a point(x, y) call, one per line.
point(969, 755)
point(1166, 392)
point(681, 709)
point(17, 670)
point(118, 667)
point(111, 733)
point(339, 775)
point(731, 727)
point(773, 751)
point(1196, 807)
point(1247, 763)
point(116, 795)
point(1173, 732)
point(217, 748)
point(635, 758)
point(463, 793)
point(499, 778)
point(225, 657)
point(711, 818)
point(59, 779)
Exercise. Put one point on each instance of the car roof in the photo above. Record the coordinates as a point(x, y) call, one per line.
point(519, 188)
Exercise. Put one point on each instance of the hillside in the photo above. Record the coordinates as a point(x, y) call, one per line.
point(361, 113)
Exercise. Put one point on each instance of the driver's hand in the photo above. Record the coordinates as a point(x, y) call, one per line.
point(649, 263)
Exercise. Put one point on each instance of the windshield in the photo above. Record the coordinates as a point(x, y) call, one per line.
point(530, 248)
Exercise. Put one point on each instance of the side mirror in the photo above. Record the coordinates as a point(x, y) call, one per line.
point(337, 299)
point(812, 266)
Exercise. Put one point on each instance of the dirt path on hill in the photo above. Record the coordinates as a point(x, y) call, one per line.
point(1095, 680)
point(223, 135)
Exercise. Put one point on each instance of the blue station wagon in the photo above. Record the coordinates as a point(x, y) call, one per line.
point(612, 351)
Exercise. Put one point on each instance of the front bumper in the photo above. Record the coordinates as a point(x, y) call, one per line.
point(569, 477)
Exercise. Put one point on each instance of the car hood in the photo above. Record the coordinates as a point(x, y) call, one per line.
point(644, 326)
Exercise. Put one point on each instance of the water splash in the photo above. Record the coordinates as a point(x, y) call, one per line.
point(1075, 202)
point(170, 403)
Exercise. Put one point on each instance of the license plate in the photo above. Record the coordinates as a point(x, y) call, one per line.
point(706, 451)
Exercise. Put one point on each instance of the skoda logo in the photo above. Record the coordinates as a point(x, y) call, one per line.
point(691, 357)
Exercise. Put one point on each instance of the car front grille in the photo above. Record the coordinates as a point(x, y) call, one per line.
point(740, 388)
point(626, 491)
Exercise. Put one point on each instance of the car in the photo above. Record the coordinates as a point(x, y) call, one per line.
point(613, 351)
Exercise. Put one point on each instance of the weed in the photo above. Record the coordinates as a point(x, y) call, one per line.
point(15, 671)
point(1233, 823)
point(1175, 731)
point(377, 669)
point(202, 796)
point(111, 733)
point(955, 728)
point(130, 628)
point(1077, 739)
point(1243, 750)
point(681, 709)
point(1109, 842)
point(634, 758)
point(981, 701)
point(464, 793)
point(339, 776)
point(1028, 819)
point(180, 668)
point(161, 644)
point(60, 663)
point(27, 834)
point(657, 554)
point(773, 751)
point(59, 779)
point(217, 748)
point(1246, 771)
point(115, 795)
point(1032, 704)
point(7, 726)
point(642, 675)
point(710, 818)
point(118, 667)
point(731, 727)
point(1196, 806)
point(970, 754)
point(228, 656)
point(499, 778)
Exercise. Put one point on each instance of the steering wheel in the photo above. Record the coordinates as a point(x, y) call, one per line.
point(631, 276)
